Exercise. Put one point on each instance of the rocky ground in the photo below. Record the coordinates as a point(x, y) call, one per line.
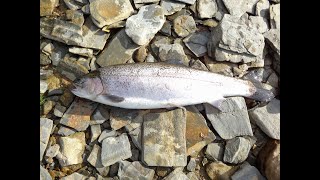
point(80, 139)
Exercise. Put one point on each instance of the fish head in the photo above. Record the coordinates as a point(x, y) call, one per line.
point(89, 86)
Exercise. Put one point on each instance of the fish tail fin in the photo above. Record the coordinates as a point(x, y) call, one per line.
point(261, 94)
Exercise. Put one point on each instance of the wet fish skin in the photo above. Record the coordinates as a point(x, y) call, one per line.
point(160, 85)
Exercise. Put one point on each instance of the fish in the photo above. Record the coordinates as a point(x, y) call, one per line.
point(161, 85)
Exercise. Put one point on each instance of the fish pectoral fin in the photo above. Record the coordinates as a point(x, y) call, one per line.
point(112, 98)
point(217, 103)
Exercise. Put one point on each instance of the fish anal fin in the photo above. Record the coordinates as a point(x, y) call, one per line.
point(113, 98)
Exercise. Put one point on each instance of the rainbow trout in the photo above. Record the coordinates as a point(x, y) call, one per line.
point(159, 85)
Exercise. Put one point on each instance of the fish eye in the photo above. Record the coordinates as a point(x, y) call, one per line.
point(79, 82)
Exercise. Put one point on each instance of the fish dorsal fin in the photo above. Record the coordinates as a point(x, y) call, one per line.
point(113, 98)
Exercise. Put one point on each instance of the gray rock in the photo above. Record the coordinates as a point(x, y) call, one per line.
point(192, 164)
point(43, 86)
point(93, 64)
point(83, 1)
point(45, 130)
point(215, 151)
point(44, 59)
point(84, 62)
point(135, 171)
point(173, 52)
point(115, 149)
point(197, 43)
point(107, 133)
point(59, 110)
point(233, 120)
point(237, 150)
point(255, 75)
point(118, 51)
point(166, 28)
point(72, 4)
point(239, 7)
point(95, 160)
point(273, 80)
point(78, 114)
point(58, 54)
point(187, 1)
point(44, 174)
point(163, 141)
point(275, 16)
point(95, 132)
point(262, 9)
point(267, 118)
point(192, 176)
point(65, 131)
point(170, 6)
point(86, 9)
point(176, 174)
point(74, 176)
point(224, 68)
point(135, 154)
point(150, 58)
point(72, 147)
point(259, 23)
point(142, 27)
point(157, 42)
point(106, 12)
point(136, 137)
point(100, 115)
point(121, 117)
point(273, 39)
point(47, 49)
point(75, 16)
point(219, 170)
point(221, 10)
point(247, 172)
point(184, 25)
point(207, 8)
point(81, 51)
point(52, 151)
point(145, 1)
point(47, 7)
point(197, 64)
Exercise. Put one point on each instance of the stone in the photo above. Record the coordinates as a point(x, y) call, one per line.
point(75, 16)
point(78, 114)
point(218, 170)
point(45, 131)
point(47, 49)
point(269, 160)
point(118, 51)
point(44, 74)
point(44, 59)
point(207, 8)
point(84, 62)
point(47, 7)
point(262, 9)
point(106, 12)
point(222, 10)
point(259, 23)
point(166, 28)
point(81, 51)
point(192, 176)
point(65, 131)
point(197, 64)
point(170, 6)
point(86, 9)
point(74, 176)
point(184, 25)
point(224, 68)
point(44, 174)
point(150, 58)
point(115, 149)
point(187, 1)
point(135, 171)
point(142, 27)
point(237, 150)
point(163, 139)
point(72, 4)
point(94, 159)
point(59, 110)
point(255, 75)
point(210, 23)
point(162, 171)
point(247, 172)
point(215, 151)
point(176, 174)
point(72, 147)
point(233, 120)
point(140, 54)
point(197, 43)
point(135, 154)
point(275, 16)
point(159, 41)
point(52, 151)
point(93, 65)
point(273, 39)
point(198, 134)
point(239, 7)
point(43, 86)
point(107, 133)
point(267, 118)
point(192, 164)
point(121, 117)
point(95, 132)
point(173, 52)
point(100, 115)
point(114, 170)
point(58, 54)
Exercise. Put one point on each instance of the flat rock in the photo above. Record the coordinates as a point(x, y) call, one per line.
point(120, 117)
point(47, 6)
point(65, 131)
point(198, 134)
point(58, 54)
point(259, 23)
point(170, 6)
point(59, 110)
point(247, 172)
point(72, 147)
point(157, 42)
point(118, 51)
point(95, 160)
point(269, 160)
point(192, 164)
point(106, 12)
point(78, 114)
point(239, 7)
point(262, 9)
point(45, 131)
point(267, 118)
point(95, 132)
point(142, 27)
point(170, 52)
point(43, 86)
point(184, 25)
point(44, 59)
point(53, 150)
point(273, 39)
point(207, 8)
point(74, 176)
point(197, 43)
point(237, 150)
point(100, 115)
point(233, 120)
point(187, 1)
point(224, 68)
point(176, 174)
point(135, 171)
point(72, 4)
point(44, 174)
point(164, 139)
point(218, 170)
point(166, 28)
point(215, 151)
point(107, 133)
point(273, 80)
point(75, 16)
point(115, 149)
point(275, 16)
point(197, 64)
point(81, 51)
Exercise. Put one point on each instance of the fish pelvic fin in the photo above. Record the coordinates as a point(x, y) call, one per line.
point(260, 94)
